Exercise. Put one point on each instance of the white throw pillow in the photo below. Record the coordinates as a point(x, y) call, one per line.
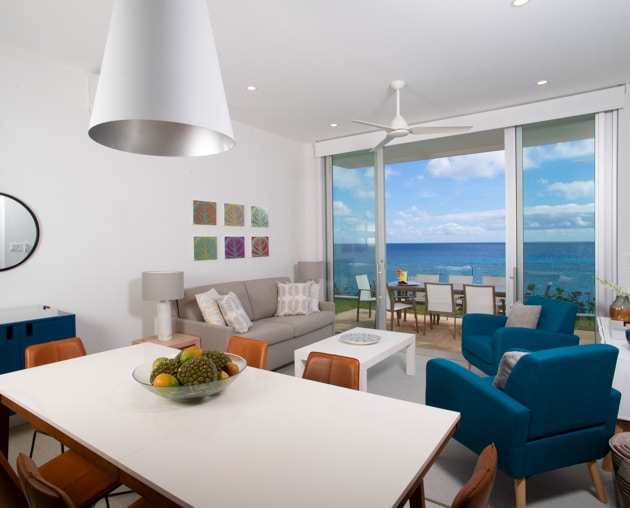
point(313, 299)
point(523, 316)
point(234, 313)
point(209, 307)
point(293, 298)
point(508, 361)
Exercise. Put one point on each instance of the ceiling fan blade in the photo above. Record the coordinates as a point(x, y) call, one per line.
point(377, 125)
point(418, 129)
point(386, 140)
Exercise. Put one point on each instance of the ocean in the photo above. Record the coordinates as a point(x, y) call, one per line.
point(569, 266)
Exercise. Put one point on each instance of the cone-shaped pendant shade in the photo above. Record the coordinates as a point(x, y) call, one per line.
point(160, 91)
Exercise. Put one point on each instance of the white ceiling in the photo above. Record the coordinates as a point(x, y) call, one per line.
point(321, 61)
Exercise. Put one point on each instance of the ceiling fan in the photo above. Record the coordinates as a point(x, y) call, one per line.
point(399, 127)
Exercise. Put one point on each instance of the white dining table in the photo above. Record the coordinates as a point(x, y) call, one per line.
point(269, 439)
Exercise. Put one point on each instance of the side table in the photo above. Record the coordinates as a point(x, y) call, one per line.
point(179, 340)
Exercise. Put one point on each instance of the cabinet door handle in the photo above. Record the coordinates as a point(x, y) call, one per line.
point(29, 329)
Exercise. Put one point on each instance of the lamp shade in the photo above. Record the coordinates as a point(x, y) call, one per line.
point(310, 270)
point(160, 91)
point(162, 285)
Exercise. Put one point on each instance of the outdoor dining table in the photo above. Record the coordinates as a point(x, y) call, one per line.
point(269, 439)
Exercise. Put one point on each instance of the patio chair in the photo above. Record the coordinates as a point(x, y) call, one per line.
point(399, 301)
point(460, 279)
point(420, 296)
point(497, 282)
point(479, 299)
point(557, 408)
point(440, 300)
point(364, 294)
point(50, 352)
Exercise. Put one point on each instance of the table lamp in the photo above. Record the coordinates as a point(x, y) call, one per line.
point(161, 287)
point(310, 270)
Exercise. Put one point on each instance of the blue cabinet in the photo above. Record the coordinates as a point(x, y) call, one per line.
point(21, 327)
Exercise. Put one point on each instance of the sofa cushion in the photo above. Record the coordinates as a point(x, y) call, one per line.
point(303, 325)
point(209, 307)
point(293, 299)
point(270, 330)
point(234, 313)
point(523, 316)
point(262, 295)
point(313, 300)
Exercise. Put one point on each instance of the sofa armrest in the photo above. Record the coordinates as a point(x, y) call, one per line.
point(323, 305)
point(487, 413)
point(213, 337)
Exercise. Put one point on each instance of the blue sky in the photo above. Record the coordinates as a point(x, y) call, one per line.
point(462, 198)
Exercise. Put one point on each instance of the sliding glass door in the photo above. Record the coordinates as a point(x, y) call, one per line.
point(556, 195)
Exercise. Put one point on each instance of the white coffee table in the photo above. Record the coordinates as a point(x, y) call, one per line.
point(367, 354)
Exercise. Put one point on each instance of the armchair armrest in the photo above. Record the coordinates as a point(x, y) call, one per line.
point(488, 414)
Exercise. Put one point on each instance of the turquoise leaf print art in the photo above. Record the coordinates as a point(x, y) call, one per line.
point(205, 212)
point(260, 217)
point(234, 215)
point(205, 247)
point(234, 247)
point(260, 246)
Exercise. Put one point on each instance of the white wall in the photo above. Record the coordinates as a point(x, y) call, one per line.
point(106, 216)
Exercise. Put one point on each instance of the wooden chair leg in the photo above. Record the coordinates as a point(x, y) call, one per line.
point(468, 365)
point(519, 490)
point(593, 469)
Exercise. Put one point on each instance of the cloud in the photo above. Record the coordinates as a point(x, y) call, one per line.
point(463, 167)
point(535, 156)
point(360, 182)
point(574, 190)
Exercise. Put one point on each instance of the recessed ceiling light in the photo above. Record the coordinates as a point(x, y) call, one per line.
point(251, 88)
point(334, 125)
point(542, 82)
point(519, 3)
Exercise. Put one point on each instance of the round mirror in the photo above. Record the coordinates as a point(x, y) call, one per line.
point(19, 232)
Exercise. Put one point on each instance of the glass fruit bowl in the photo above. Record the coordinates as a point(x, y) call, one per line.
point(142, 374)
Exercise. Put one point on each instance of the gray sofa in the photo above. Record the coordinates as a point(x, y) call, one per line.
point(259, 298)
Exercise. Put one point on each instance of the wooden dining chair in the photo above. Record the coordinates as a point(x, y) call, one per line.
point(476, 491)
point(67, 481)
point(332, 369)
point(51, 352)
point(254, 351)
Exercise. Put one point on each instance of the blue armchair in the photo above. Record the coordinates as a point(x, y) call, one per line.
point(558, 408)
point(485, 337)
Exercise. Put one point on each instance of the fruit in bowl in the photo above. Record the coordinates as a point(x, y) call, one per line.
point(193, 373)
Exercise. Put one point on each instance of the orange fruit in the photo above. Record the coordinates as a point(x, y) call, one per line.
point(231, 368)
point(165, 379)
point(190, 352)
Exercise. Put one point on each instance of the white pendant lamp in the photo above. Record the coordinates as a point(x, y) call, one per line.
point(160, 90)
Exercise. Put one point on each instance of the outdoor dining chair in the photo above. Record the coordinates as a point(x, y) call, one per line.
point(421, 278)
point(460, 279)
point(479, 299)
point(497, 282)
point(399, 301)
point(440, 300)
point(364, 294)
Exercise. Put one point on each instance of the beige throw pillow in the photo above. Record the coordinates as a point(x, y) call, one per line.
point(209, 306)
point(508, 361)
point(313, 300)
point(523, 316)
point(234, 313)
point(293, 298)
